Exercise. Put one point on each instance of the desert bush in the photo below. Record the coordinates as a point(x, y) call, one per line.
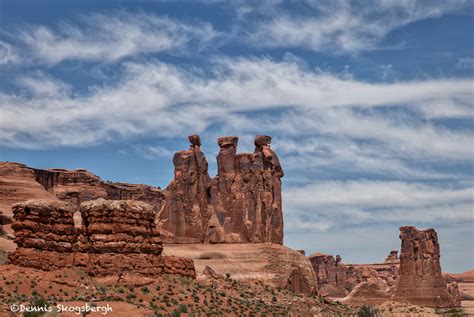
point(367, 311)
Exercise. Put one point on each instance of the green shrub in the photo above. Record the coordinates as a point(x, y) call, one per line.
point(145, 290)
point(367, 311)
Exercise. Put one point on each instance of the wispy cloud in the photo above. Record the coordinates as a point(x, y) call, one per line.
point(107, 38)
point(7, 54)
point(152, 152)
point(160, 98)
point(337, 26)
point(364, 201)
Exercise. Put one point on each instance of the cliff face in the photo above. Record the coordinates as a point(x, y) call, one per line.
point(420, 281)
point(104, 238)
point(77, 186)
point(18, 183)
point(241, 204)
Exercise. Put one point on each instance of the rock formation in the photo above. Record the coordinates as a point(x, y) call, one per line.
point(247, 192)
point(272, 264)
point(186, 212)
point(104, 238)
point(392, 257)
point(337, 279)
point(241, 204)
point(78, 186)
point(20, 183)
point(420, 281)
point(373, 292)
point(330, 274)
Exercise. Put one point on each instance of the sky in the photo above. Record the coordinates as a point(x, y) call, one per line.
point(369, 103)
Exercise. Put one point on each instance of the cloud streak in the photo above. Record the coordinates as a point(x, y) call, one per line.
point(108, 38)
point(348, 27)
point(373, 201)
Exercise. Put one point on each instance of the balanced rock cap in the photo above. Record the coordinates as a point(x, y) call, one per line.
point(228, 141)
point(261, 140)
point(195, 140)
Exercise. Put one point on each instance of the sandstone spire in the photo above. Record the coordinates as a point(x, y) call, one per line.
point(420, 281)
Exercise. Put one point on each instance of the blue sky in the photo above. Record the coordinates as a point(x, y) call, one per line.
point(369, 103)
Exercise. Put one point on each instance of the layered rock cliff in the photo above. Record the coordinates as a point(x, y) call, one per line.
point(19, 182)
point(77, 186)
point(104, 238)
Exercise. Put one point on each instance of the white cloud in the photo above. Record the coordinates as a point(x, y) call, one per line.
point(107, 38)
point(347, 203)
point(167, 100)
point(7, 54)
point(340, 26)
point(153, 152)
point(41, 85)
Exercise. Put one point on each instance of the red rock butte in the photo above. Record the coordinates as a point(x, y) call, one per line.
point(420, 281)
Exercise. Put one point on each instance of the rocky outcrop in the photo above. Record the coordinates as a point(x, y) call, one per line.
point(247, 192)
point(392, 258)
point(78, 186)
point(373, 292)
point(420, 281)
point(337, 279)
point(330, 274)
point(20, 183)
point(186, 212)
point(118, 226)
point(104, 238)
point(241, 204)
point(272, 264)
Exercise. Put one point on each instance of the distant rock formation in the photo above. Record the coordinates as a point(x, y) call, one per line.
point(78, 186)
point(337, 279)
point(420, 281)
point(330, 274)
point(392, 257)
point(19, 182)
point(241, 204)
point(104, 238)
